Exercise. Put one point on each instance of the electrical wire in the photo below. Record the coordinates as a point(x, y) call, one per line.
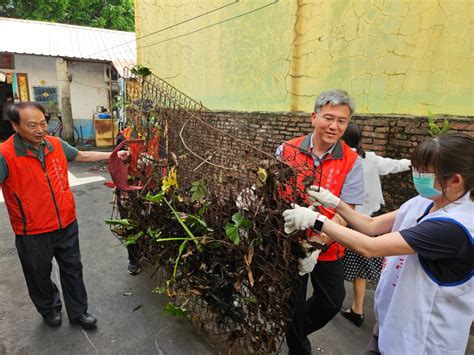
point(171, 26)
point(212, 25)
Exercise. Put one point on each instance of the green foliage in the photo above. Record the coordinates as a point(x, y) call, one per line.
point(434, 130)
point(141, 70)
point(155, 198)
point(132, 239)
point(250, 300)
point(110, 14)
point(199, 190)
point(124, 223)
point(160, 290)
point(232, 229)
point(173, 310)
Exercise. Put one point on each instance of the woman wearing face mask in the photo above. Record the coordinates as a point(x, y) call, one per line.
point(424, 302)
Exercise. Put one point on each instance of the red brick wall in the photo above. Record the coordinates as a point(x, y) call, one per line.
point(390, 136)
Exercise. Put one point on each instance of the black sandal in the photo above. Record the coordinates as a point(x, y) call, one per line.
point(355, 318)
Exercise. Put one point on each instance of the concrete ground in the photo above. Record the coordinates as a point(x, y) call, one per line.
point(130, 316)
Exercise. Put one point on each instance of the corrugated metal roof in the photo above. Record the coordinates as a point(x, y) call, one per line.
point(68, 41)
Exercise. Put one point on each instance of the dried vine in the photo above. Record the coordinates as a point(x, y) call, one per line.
point(208, 217)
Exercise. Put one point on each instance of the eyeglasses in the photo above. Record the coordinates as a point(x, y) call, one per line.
point(33, 126)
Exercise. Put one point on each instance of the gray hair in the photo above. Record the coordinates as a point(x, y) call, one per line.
point(334, 97)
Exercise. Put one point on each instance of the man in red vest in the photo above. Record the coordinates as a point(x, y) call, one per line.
point(322, 159)
point(142, 158)
point(40, 203)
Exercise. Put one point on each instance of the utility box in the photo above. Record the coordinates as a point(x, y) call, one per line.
point(106, 130)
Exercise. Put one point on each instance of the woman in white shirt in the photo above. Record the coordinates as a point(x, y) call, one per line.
point(357, 268)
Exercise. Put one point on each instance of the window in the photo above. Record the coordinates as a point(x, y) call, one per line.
point(7, 61)
point(48, 97)
point(111, 74)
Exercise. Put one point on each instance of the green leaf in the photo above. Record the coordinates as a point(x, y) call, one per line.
point(173, 310)
point(250, 300)
point(159, 290)
point(155, 198)
point(153, 233)
point(445, 127)
point(185, 227)
point(134, 238)
point(232, 232)
point(141, 70)
point(240, 221)
point(434, 130)
point(198, 189)
point(127, 224)
point(180, 252)
point(203, 208)
point(122, 222)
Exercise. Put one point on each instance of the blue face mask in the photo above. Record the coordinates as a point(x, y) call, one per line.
point(424, 184)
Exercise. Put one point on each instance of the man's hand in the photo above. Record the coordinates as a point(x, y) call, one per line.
point(298, 218)
point(123, 154)
point(306, 265)
point(323, 196)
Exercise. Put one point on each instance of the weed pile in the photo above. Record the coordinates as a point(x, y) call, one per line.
point(207, 217)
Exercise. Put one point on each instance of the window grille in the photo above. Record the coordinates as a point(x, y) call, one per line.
point(48, 97)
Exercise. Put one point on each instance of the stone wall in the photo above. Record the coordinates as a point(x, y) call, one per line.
point(390, 136)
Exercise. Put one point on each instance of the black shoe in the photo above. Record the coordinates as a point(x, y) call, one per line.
point(86, 320)
point(355, 318)
point(305, 348)
point(53, 318)
point(133, 268)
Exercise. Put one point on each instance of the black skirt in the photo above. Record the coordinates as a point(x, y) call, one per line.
point(357, 266)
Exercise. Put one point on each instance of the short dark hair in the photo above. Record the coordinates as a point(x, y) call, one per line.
point(13, 112)
point(448, 154)
point(353, 137)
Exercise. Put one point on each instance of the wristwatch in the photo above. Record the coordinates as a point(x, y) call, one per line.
point(319, 223)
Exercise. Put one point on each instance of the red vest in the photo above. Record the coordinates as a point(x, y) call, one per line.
point(38, 200)
point(334, 167)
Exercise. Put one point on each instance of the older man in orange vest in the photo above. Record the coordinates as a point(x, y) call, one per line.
point(324, 160)
point(40, 203)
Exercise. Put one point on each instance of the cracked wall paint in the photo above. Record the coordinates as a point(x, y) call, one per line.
point(392, 56)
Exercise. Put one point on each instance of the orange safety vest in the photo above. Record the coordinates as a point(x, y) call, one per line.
point(39, 200)
point(334, 167)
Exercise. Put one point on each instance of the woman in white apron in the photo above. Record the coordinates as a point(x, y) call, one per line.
point(424, 302)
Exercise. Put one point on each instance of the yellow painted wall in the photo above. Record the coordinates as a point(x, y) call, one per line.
point(392, 56)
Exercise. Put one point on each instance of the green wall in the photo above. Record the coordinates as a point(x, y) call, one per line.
point(393, 56)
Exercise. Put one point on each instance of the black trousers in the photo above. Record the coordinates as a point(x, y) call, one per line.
point(36, 254)
point(310, 315)
point(132, 249)
point(133, 253)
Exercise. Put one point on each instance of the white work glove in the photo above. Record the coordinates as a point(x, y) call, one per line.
point(298, 218)
point(323, 197)
point(306, 265)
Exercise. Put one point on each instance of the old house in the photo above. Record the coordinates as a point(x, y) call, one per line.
point(37, 57)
